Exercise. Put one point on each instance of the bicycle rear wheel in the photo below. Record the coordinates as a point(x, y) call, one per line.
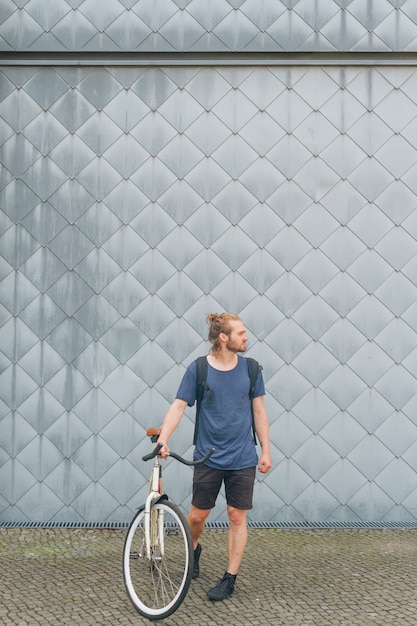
point(157, 586)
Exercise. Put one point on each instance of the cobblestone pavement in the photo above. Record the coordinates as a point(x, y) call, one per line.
point(303, 577)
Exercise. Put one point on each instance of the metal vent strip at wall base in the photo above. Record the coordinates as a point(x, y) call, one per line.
point(304, 525)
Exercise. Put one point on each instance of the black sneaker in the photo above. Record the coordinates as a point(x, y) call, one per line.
point(223, 589)
point(197, 553)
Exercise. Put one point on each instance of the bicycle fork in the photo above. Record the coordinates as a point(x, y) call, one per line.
point(154, 519)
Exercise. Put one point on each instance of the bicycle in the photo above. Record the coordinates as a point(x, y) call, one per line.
point(158, 554)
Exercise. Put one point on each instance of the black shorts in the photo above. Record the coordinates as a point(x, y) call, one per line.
point(238, 487)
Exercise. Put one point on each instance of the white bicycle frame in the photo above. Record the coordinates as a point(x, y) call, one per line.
point(157, 539)
point(155, 492)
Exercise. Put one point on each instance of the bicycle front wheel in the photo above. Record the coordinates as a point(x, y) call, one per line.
point(157, 577)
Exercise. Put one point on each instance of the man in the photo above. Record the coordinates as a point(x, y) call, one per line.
point(225, 423)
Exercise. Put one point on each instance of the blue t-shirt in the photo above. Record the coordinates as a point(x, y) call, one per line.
point(225, 420)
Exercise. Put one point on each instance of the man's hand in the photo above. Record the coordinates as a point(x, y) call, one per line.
point(164, 451)
point(264, 464)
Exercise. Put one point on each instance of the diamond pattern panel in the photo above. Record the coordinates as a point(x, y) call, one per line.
point(270, 26)
point(135, 200)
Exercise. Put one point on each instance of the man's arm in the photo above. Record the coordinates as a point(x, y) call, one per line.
point(170, 423)
point(262, 431)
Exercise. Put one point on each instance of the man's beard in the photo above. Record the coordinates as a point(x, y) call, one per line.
point(234, 348)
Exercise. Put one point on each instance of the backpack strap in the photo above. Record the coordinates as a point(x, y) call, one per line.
point(254, 368)
point(201, 363)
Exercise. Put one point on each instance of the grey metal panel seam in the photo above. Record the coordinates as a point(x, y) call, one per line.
point(183, 59)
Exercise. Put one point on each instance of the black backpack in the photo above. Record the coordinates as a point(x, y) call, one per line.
point(201, 362)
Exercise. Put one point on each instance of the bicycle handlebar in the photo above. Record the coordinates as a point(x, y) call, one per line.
point(179, 458)
point(152, 454)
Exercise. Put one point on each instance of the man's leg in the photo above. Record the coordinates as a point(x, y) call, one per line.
point(196, 520)
point(239, 492)
point(206, 486)
point(236, 544)
point(237, 538)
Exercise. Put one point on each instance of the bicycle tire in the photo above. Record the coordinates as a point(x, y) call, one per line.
point(157, 587)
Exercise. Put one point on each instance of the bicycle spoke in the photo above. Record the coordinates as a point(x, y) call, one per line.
point(164, 587)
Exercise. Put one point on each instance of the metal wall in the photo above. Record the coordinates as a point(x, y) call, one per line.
point(208, 26)
point(135, 199)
